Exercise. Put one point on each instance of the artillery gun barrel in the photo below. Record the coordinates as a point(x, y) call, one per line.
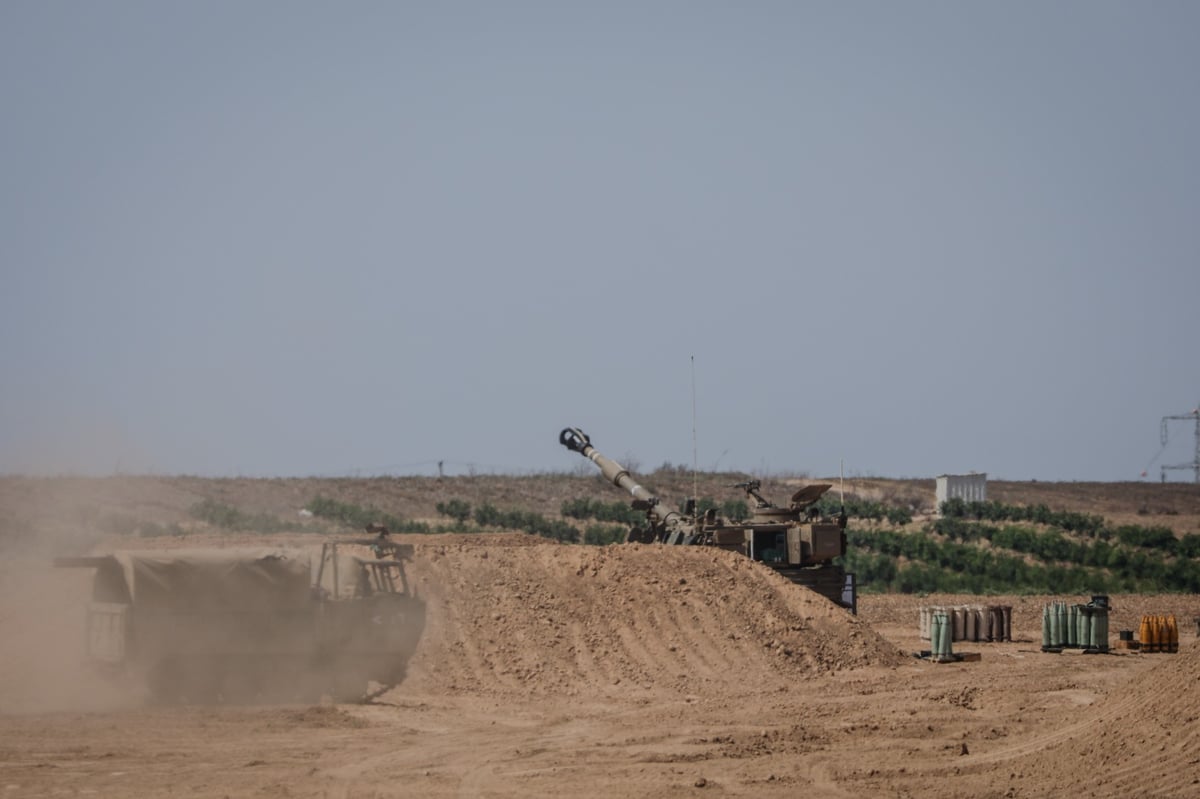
point(576, 440)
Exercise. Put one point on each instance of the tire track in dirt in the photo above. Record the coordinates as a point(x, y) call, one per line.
point(1146, 729)
point(706, 664)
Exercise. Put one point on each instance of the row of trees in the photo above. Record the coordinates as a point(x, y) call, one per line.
point(945, 556)
point(1050, 545)
point(964, 523)
point(487, 516)
point(733, 509)
point(1081, 523)
point(358, 516)
point(951, 566)
point(1161, 538)
point(856, 508)
point(602, 511)
point(461, 514)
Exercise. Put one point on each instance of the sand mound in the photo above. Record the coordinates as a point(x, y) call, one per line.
point(579, 620)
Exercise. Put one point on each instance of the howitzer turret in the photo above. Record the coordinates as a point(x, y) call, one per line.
point(793, 540)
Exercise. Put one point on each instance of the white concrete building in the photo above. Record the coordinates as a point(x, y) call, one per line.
point(967, 487)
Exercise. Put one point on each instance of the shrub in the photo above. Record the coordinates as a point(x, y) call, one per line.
point(855, 508)
point(488, 516)
point(227, 517)
point(1188, 546)
point(352, 515)
point(456, 509)
point(1038, 514)
point(604, 534)
point(922, 563)
point(736, 510)
point(602, 511)
point(1147, 537)
point(359, 517)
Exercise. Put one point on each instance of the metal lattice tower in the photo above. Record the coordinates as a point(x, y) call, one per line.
point(1194, 416)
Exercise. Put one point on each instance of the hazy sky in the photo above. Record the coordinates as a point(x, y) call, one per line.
point(290, 238)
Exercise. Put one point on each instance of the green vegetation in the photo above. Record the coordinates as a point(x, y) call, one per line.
point(604, 534)
point(359, 517)
point(602, 511)
point(485, 517)
point(488, 516)
point(227, 517)
point(865, 509)
point(735, 510)
point(1052, 552)
point(984, 548)
point(1147, 537)
point(1039, 514)
point(456, 509)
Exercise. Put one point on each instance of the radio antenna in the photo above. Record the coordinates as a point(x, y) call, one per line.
point(842, 482)
point(695, 459)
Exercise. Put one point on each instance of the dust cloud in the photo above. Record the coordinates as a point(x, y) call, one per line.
point(233, 620)
point(42, 618)
point(43, 609)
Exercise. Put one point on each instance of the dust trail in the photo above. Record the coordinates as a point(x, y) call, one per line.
point(42, 608)
point(42, 613)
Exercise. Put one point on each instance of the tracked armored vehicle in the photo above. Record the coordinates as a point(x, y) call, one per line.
point(254, 624)
point(794, 540)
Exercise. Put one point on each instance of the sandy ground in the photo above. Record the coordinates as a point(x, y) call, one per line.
point(626, 671)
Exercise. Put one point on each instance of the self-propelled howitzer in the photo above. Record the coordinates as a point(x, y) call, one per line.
point(794, 540)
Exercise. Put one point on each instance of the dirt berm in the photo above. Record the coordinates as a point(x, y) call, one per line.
point(573, 620)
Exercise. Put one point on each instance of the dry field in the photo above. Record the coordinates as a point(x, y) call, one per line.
point(625, 671)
